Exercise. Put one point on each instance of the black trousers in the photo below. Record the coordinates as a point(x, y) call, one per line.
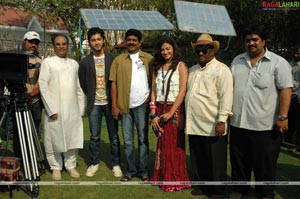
point(209, 161)
point(255, 151)
point(293, 134)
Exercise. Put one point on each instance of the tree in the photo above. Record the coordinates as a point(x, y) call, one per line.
point(285, 25)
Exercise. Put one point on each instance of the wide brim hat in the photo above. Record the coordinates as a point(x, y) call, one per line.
point(206, 39)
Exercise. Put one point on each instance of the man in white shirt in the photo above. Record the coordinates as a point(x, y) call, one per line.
point(261, 100)
point(130, 76)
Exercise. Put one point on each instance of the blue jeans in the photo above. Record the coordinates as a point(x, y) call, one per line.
point(140, 117)
point(95, 120)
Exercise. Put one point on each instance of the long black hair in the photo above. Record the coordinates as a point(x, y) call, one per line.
point(158, 58)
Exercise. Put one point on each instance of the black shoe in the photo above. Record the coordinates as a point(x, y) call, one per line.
point(197, 192)
point(145, 178)
point(215, 197)
point(126, 178)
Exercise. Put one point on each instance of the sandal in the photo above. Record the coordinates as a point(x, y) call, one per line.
point(145, 178)
point(126, 178)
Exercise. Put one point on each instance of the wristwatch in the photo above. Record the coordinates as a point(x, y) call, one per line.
point(282, 117)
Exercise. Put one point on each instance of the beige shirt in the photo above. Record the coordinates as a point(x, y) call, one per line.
point(209, 98)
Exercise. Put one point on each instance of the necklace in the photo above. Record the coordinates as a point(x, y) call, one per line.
point(163, 79)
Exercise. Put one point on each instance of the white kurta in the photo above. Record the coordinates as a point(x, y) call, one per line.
point(62, 94)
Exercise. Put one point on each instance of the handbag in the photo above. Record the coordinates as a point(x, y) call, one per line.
point(162, 121)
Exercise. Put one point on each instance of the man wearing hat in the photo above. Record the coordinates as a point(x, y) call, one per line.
point(208, 105)
point(31, 44)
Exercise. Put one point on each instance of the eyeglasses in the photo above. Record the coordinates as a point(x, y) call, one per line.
point(204, 49)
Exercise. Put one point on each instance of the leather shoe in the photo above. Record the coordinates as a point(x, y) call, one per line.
point(73, 173)
point(145, 178)
point(197, 192)
point(56, 175)
point(215, 197)
point(126, 178)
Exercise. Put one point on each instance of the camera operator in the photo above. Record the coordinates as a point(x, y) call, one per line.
point(31, 43)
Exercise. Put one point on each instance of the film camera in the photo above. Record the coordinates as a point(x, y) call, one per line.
point(13, 70)
point(13, 74)
point(13, 66)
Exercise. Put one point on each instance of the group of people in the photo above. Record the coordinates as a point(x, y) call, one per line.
point(138, 89)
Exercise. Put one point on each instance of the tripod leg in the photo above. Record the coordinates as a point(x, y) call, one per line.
point(23, 145)
point(40, 156)
point(28, 153)
point(3, 119)
point(26, 144)
point(31, 147)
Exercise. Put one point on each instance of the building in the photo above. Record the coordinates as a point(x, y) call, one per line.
point(14, 23)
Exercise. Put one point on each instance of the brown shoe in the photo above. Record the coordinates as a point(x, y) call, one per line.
point(56, 175)
point(73, 173)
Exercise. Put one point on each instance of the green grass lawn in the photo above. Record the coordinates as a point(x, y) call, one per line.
point(288, 170)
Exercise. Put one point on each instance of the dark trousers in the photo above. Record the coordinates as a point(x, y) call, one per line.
point(255, 151)
point(209, 161)
point(293, 134)
point(36, 112)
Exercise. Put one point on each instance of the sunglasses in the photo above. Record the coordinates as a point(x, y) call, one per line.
point(34, 41)
point(202, 49)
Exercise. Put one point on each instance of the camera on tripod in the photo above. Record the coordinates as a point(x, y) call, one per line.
point(13, 70)
point(14, 75)
point(13, 66)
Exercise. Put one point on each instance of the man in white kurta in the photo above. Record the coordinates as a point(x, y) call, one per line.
point(64, 105)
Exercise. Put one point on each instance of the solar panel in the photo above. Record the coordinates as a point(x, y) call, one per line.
point(203, 18)
point(125, 19)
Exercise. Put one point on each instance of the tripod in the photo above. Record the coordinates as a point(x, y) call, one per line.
point(32, 156)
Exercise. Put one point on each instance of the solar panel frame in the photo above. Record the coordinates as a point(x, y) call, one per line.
point(125, 19)
point(203, 18)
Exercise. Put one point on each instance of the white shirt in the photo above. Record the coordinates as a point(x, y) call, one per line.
point(174, 85)
point(256, 90)
point(139, 90)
